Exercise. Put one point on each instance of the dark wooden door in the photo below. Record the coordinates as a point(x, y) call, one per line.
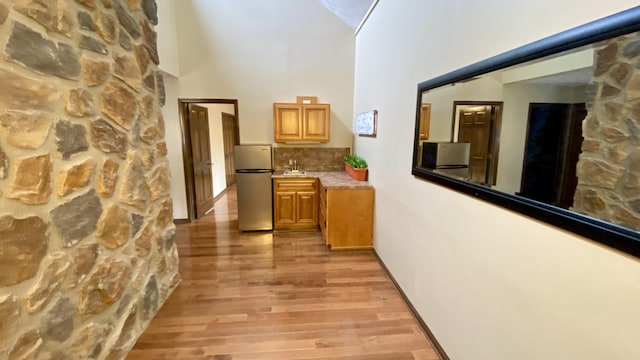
point(475, 128)
point(571, 150)
point(229, 138)
point(201, 155)
point(552, 148)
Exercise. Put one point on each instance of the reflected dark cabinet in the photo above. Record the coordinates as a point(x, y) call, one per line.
point(553, 142)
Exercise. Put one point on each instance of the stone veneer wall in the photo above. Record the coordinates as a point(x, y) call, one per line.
point(310, 158)
point(609, 166)
point(86, 234)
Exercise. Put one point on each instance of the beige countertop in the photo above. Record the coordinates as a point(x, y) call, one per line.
point(329, 179)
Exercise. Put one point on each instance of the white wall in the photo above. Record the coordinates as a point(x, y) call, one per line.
point(174, 139)
point(491, 284)
point(570, 62)
point(484, 89)
point(166, 29)
point(259, 52)
point(217, 144)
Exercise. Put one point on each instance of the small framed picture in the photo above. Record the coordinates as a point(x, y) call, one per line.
point(367, 123)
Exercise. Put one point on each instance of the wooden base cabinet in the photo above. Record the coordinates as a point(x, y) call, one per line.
point(346, 217)
point(295, 203)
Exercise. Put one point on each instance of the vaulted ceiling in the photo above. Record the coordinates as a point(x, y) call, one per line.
point(351, 12)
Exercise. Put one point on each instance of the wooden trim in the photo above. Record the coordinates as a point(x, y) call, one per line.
point(423, 326)
point(366, 16)
point(187, 158)
point(306, 100)
point(207, 100)
point(181, 221)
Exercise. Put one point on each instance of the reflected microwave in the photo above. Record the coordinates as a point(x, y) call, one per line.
point(438, 155)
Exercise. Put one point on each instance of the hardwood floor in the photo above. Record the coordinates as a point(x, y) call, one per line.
point(277, 296)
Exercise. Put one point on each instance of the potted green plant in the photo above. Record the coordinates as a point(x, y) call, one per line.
point(356, 167)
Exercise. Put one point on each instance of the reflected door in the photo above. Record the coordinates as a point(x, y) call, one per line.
point(475, 128)
point(552, 148)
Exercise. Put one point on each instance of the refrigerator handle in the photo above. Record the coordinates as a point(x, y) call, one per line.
point(253, 171)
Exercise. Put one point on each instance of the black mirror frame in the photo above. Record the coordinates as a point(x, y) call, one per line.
point(618, 237)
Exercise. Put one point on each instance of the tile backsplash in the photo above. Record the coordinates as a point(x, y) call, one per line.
point(308, 158)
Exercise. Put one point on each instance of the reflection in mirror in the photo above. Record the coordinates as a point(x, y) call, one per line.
point(563, 130)
point(479, 123)
point(425, 120)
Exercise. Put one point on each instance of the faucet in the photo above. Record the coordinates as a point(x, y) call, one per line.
point(293, 167)
point(293, 164)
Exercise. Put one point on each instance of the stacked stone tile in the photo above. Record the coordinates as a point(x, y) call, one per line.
point(609, 166)
point(310, 158)
point(87, 252)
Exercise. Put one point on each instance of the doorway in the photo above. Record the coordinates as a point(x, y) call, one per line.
point(208, 173)
point(479, 123)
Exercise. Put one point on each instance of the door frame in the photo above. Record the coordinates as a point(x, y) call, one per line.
point(187, 158)
point(494, 134)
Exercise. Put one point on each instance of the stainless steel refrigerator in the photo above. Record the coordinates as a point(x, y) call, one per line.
point(253, 179)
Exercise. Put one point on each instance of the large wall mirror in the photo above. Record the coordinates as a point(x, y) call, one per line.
point(550, 129)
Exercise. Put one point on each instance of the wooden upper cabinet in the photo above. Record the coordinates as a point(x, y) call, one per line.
point(287, 121)
point(301, 122)
point(315, 122)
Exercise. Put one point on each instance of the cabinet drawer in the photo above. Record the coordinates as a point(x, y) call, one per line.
point(303, 184)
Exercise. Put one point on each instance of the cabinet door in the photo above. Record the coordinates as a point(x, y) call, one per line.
point(350, 218)
point(284, 208)
point(307, 207)
point(316, 124)
point(287, 122)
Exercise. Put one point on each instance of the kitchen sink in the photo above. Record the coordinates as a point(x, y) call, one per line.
point(294, 172)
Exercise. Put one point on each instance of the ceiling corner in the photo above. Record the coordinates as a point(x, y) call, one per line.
point(351, 12)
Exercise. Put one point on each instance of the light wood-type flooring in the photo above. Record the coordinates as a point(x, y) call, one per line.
point(263, 295)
